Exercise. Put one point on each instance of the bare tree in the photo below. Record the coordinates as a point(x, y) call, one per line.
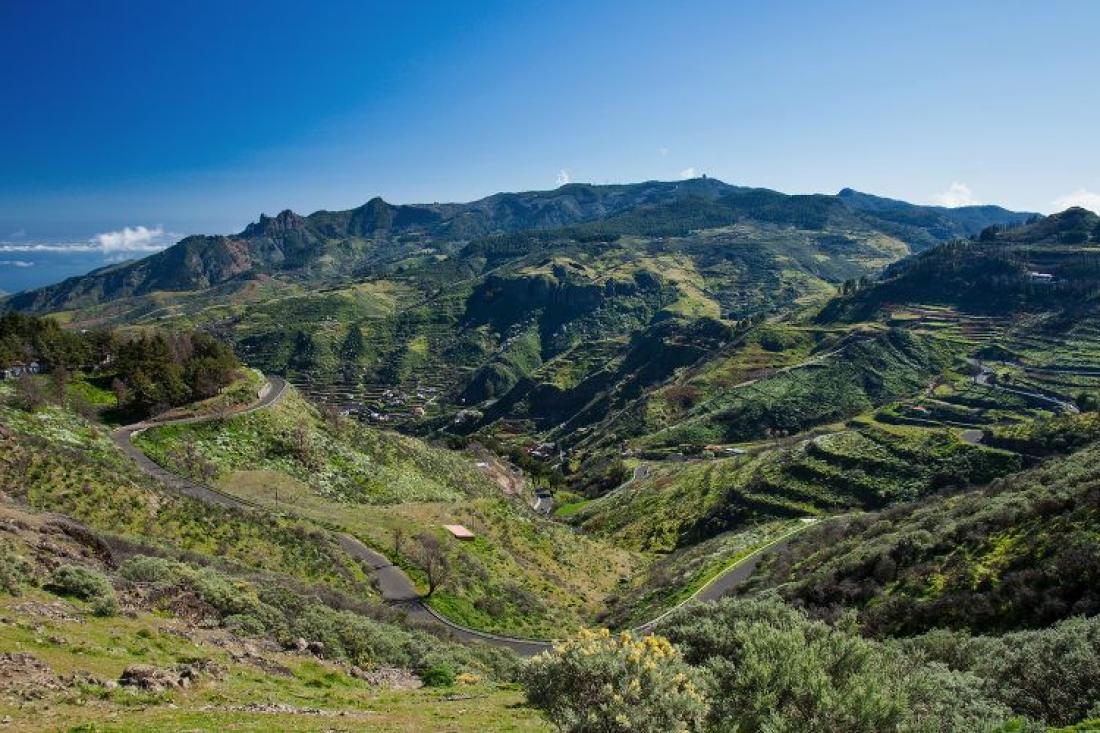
point(28, 395)
point(301, 445)
point(122, 392)
point(336, 422)
point(434, 558)
point(59, 376)
point(193, 463)
point(20, 461)
point(398, 541)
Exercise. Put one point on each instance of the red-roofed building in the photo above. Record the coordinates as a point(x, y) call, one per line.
point(459, 531)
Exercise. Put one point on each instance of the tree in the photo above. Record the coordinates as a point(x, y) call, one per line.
point(301, 444)
point(193, 463)
point(353, 347)
point(433, 557)
point(335, 421)
point(59, 379)
point(19, 464)
point(28, 394)
point(121, 391)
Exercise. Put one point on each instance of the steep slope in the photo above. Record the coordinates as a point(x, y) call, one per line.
point(341, 243)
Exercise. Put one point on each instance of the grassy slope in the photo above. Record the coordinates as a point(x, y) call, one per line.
point(542, 577)
point(83, 652)
point(676, 577)
point(1022, 552)
point(57, 461)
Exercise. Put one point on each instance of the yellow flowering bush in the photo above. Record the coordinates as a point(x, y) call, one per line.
point(616, 683)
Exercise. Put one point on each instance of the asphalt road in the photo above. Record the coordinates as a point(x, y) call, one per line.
point(984, 378)
point(973, 437)
point(396, 587)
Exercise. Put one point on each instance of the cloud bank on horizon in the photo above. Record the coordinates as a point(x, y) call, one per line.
point(957, 194)
point(136, 239)
point(1081, 197)
point(960, 194)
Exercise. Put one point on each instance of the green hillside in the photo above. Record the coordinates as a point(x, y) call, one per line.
point(633, 397)
point(1019, 553)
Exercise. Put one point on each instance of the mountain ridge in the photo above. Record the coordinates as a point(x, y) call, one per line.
point(345, 243)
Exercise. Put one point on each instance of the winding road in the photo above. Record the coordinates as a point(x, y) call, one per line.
point(984, 378)
point(396, 587)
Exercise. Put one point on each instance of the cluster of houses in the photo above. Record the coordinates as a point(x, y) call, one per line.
point(376, 404)
point(541, 450)
point(18, 369)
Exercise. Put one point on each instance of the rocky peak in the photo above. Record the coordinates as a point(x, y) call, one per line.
point(372, 216)
point(285, 221)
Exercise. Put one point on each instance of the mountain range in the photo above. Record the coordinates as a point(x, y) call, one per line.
point(328, 244)
point(446, 433)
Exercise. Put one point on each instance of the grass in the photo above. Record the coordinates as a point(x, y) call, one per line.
point(523, 575)
point(865, 466)
point(104, 647)
point(568, 510)
point(678, 576)
point(368, 466)
point(59, 462)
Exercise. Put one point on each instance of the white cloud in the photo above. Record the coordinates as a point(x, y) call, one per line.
point(16, 263)
point(131, 239)
point(688, 172)
point(564, 177)
point(127, 239)
point(957, 194)
point(1085, 199)
point(49, 247)
point(663, 152)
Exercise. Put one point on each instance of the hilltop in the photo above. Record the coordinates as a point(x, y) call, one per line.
point(1045, 265)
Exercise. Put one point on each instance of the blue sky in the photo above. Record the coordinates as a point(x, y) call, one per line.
point(195, 117)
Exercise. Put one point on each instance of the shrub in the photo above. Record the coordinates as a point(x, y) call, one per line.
point(14, 570)
point(85, 584)
point(439, 675)
point(283, 613)
point(1051, 674)
point(773, 669)
point(600, 682)
point(148, 569)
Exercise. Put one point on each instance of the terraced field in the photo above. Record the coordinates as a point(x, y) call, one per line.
point(870, 466)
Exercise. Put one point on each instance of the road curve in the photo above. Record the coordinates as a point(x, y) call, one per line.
point(396, 587)
point(984, 377)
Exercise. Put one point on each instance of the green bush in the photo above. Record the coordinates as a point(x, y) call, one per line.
point(439, 675)
point(1051, 674)
point(85, 584)
point(773, 669)
point(225, 595)
point(14, 570)
point(618, 684)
